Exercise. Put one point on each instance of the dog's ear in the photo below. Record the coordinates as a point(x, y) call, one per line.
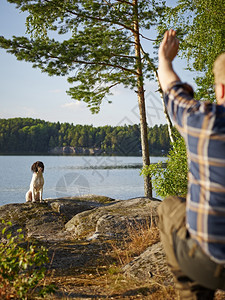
point(40, 164)
point(34, 167)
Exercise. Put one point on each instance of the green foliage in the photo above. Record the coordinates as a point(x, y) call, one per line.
point(171, 180)
point(21, 270)
point(22, 135)
point(200, 25)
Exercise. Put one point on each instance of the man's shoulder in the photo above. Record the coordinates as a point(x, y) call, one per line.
point(180, 87)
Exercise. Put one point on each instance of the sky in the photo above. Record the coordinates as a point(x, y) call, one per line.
point(26, 92)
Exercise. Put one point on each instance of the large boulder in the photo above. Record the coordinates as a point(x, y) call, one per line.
point(113, 219)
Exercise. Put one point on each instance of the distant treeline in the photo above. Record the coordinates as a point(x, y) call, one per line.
point(28, 136)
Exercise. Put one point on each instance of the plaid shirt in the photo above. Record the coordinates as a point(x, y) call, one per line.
point(202, 124)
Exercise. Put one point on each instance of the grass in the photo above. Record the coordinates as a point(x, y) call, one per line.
point(140, 237)
point(109, 286)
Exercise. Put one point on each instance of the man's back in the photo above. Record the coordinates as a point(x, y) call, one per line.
point(202, 125)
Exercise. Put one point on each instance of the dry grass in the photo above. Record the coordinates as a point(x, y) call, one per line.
point(113, 286)
point(109, 285)
point(140, 237)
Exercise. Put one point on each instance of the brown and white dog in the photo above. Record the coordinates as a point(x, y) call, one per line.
point(37, 182)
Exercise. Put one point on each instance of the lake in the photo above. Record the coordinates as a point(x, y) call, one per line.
point(113, 176)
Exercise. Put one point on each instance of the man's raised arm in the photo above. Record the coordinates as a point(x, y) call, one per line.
point(167, 52)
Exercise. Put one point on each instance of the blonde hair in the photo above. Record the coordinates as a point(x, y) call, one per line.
point(219, 69)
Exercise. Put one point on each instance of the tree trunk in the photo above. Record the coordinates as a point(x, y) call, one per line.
point(141, 103)
point(169, 123)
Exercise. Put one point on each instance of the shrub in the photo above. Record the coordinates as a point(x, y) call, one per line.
point(21, 270)
point(172, 180)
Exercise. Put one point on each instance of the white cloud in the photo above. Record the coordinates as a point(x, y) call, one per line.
point(56, 91)
point(73, 105)
point(22, 112)
point(28, 111)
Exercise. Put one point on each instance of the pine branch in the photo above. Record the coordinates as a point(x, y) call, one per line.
point(50, 56)
point(109, 87)
point(106, 64)
point(106, 20)
point(127, 2)
point(144, 37)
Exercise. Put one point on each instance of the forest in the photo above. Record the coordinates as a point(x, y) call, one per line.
point(30, 136)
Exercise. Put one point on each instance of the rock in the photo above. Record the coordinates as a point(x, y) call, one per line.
point(35, 220)
point(150, 263)
point(114, 219)
point(118, 226)
point(71, 206)
point(75, 150)
point(46, 221)
point(60, 224)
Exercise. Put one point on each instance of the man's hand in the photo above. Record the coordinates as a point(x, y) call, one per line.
point(169, 46)
point(167, 52)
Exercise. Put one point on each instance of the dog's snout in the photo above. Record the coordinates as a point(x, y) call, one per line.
point(40, 169)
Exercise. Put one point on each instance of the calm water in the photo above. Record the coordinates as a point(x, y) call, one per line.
point(116, 177)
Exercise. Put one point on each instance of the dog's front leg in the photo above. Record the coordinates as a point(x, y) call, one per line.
point(29, 196)
point(40, 195)
point(33, 195)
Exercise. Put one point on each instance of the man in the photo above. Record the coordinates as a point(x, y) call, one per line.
point(193, 229)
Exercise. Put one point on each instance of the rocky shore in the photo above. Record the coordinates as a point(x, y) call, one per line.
point(79, 233)
point(75, 150)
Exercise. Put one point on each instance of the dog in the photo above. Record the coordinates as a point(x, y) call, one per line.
point(37, 182)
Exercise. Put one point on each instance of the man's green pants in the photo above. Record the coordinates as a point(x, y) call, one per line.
point(196, 276)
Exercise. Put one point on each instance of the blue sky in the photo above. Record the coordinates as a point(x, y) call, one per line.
point(26, 92)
